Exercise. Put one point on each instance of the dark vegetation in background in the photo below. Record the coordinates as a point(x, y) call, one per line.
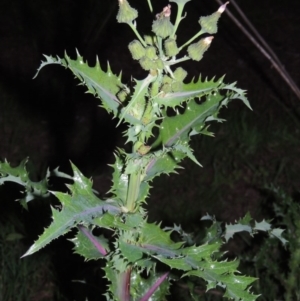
point(52, 121)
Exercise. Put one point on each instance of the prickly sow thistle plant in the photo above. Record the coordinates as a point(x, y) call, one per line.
point(160, 141)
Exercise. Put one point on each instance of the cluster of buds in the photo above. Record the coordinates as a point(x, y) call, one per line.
point(174, 84)
point(147, 56)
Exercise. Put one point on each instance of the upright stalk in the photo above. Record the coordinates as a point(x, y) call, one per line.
point(133, 190)
point(150, 6)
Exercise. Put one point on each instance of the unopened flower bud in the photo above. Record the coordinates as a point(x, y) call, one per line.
point(154, 88)
point(149, 40)
point(126, 13)
point(196, 50)
point(147, 64)
point(136, 49)
point(162, 26)
point(151, 52)
point(166, 88)
point(177, 86)
point(222, 8)
point(159, 64)
point(143, 149)
point(167, 79)
point(171, 48)
point(122, 95)
point(209, 24)
point(180, 74)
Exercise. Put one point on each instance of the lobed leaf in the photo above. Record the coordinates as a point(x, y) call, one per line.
point(88, 245)
point(194, 89)
point(81, 206)
point(20, 175)
point(104, 85)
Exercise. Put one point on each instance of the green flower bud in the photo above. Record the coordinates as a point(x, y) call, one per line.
point(154, 88)
point(126, 13)
point(122, 95)
point(148, 115)
point(136, 49)
point(166, 88)
point(177, 86)
point(209, 24)
point(180, 74)
point(143, 149)
point(162, 26)
point(151, 52)
point(147, 64)
point(167, 79)
point(146, 120)
point(149, 40)
point(196, 50)
point(171, 48)
point(159, 64)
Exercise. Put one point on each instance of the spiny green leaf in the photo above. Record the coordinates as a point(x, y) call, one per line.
point(20, 175)
point(184, 148)
point(120, 179)
point(149, 239)
point(190, 258)
point(263, 226)
point(189, 91)
point(179, 127)
point(104, 85)
point(278, 234)
point(89, 246)
point(235, 228)
point(81, 206)
point(120, 282)
point(223, 274)
point(246, 220)
point(238, 94)
point(110, 221)
point(166, 163)
point(155, 287)
point(137, 104)
point(193, 120)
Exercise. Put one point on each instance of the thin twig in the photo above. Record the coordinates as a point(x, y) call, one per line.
point(269, 53)
point(265, 44)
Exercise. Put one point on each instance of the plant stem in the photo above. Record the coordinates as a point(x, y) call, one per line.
point(192, 39)
point(124, 285)
point(178, 18)
point(173, 62)
point(133, 27)
point(160, 49)
point(133, 190)
point(150, 6)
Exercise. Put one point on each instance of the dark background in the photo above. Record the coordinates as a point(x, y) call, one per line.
point(52, 121)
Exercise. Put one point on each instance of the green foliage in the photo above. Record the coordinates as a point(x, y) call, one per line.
point(162, 113)
point(20, 175)
point(277, 266)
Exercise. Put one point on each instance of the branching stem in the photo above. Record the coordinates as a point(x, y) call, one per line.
point(150, 6)
point(133, 27)
point(173, 62)
point(178, 18)
point(192, 39)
